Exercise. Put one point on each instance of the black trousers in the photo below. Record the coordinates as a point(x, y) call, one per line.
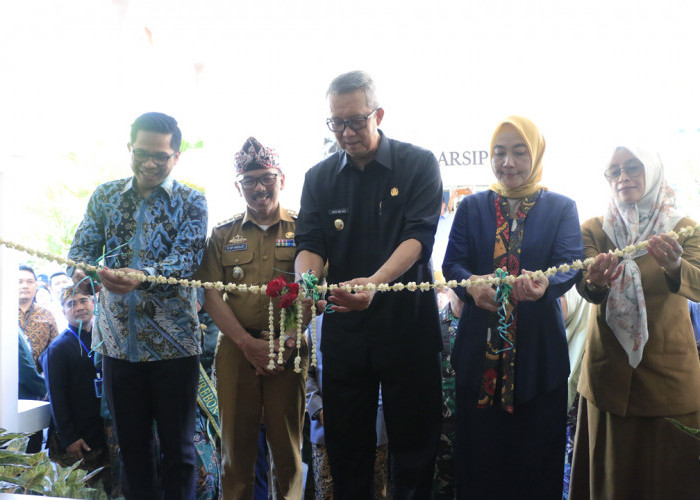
point(411, 395)
point(499, 455)
point(165, 392)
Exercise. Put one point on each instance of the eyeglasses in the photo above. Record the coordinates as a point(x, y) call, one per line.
point(630, 170)
point(159, 159)
point(251, 182)
point(355, 123)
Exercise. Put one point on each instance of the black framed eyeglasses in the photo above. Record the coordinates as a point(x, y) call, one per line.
point(159, 159)
point(251, 182)
point(631, 171)
point(355, 123)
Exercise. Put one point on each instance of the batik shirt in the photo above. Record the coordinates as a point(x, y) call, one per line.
point(39, 325)
point(162, 235)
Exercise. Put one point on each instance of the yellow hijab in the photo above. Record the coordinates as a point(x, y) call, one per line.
point(535, 144)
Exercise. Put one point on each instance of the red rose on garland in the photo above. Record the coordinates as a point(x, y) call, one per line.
point(275, 287)
point(292, 293)
point(289, 292)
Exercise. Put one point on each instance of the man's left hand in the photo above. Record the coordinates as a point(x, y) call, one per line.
point(344, 301)
point(116, 284)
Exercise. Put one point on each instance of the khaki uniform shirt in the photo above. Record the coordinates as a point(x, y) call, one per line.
point(667, 381)
point(261, 254)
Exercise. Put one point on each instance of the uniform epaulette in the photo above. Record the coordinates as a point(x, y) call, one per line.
point(232, 219)
point(293, 214)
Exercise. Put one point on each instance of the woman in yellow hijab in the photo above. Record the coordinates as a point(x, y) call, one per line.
point(511, 355)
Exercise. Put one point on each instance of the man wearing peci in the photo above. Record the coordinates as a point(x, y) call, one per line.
point(149, 333)
point(370, 211)
point(255, 247)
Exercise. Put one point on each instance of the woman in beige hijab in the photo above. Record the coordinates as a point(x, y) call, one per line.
point(640, 366)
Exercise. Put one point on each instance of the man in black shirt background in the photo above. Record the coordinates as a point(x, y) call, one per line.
point(370, 211)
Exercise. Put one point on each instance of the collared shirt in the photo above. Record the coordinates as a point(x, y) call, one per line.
point(261, 255)
point(355, 219)
point(39, 326)
point(163, 234)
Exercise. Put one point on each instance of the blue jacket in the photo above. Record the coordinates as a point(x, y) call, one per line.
point(551, 237)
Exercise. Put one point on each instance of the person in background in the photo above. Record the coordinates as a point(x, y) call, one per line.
point(57, 282)
point(640, 367)
point(75, 388)
point(31, 385)
point(442, 233)
point(576, 313)
point(694, 308)
point(511, 357)
point(450, 307)
point(36, 322)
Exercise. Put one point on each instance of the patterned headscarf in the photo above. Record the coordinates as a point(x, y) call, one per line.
point(254, 156)
point(535, 145)
point(628, 224)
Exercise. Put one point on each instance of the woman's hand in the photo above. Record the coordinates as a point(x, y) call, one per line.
point(667, 253)
point(483, 295)
point(529, 289)
point(604, 270)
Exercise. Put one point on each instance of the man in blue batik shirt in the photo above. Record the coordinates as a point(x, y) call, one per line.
point(148, 333)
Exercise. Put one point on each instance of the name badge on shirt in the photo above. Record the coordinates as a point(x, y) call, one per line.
point(236, 244)
point(339, 211)
point(236, 248)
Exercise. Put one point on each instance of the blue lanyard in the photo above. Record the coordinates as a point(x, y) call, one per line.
point(90, 355)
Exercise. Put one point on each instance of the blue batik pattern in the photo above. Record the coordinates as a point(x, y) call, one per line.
point(163, 234)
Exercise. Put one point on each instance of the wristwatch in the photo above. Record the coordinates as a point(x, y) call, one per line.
point(290, 342)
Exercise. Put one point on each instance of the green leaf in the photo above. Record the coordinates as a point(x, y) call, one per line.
point(8, 457)
point(688, 430)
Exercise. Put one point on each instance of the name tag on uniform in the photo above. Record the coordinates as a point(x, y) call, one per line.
point(338, 211)
point(284, 243)
point(236, 248)
point(236, 244)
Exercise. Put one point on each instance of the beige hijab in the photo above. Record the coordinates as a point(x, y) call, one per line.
point(627, 224)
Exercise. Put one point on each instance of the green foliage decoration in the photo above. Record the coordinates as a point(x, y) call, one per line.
point(34, 473)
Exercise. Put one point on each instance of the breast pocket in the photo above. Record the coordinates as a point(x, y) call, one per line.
point(284, 259)
point(237, 259)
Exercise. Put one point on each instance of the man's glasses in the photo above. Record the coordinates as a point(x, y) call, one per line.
point(630, 170)
point(159, 159)
point(355, 123)
point(251, 182)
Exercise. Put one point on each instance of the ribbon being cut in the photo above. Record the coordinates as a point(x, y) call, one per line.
point(291, 295)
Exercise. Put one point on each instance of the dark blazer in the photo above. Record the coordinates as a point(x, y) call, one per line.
point(70, 376)
point(552, 236)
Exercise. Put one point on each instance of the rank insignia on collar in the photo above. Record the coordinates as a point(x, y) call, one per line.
point(238, 240)
point(289, 235)
point(394, 191)
point(285, 243)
